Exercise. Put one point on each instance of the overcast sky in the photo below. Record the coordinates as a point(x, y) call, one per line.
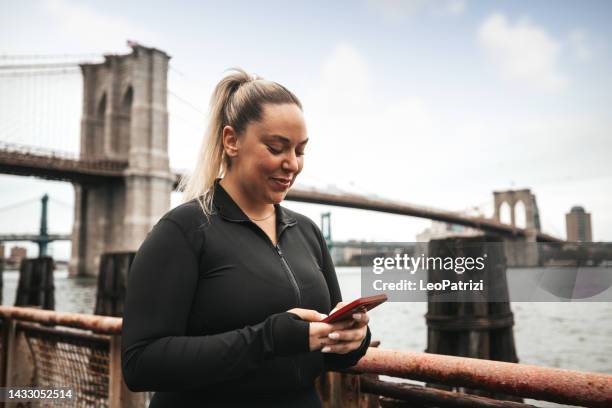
point(434, 103)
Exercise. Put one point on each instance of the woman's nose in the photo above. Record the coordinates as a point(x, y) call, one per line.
point(291, 163)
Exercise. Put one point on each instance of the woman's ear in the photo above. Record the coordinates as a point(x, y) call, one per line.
point(230, 141)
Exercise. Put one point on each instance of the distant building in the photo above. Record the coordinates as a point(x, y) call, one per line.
point(343, 255)
point(578, 225)
point(441, 229)
point(356, 253)
point(17, 254)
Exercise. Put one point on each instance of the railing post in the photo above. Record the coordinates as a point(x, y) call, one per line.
point(1, 271)
point(19, 360)
point(5, 333)
point(119, 396)
point(339, 389)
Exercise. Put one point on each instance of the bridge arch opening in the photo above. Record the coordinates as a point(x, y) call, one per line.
point(95, 142)
point(520, 214)
point(121, 139)
point(505, 213)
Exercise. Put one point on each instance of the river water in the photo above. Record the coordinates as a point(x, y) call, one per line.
point(575, 335)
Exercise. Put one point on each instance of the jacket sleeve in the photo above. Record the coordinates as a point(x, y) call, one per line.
point(334, 361)
point(156, 353)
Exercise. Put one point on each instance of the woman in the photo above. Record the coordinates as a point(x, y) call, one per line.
point(226, 293)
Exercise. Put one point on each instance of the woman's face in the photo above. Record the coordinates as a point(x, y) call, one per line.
point(269, 154)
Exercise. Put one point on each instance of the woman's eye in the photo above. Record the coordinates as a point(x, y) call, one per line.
point(300, 153)
point(274, 151)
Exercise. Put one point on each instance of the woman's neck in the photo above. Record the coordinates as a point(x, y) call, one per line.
point(247, 204)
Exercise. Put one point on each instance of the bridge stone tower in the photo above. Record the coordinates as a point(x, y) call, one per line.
point(125, 118)
point(520, 251)
point(512, 198)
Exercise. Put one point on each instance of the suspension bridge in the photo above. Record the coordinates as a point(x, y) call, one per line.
point(119, 166)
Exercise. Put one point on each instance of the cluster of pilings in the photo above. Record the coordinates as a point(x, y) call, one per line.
point(36, 287)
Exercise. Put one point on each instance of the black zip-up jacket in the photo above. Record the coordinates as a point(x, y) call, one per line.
point(205, 320)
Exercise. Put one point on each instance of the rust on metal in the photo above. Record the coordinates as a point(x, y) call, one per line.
point(550, 384)
point(95, 323)
point(438, 398)
point(542, 383)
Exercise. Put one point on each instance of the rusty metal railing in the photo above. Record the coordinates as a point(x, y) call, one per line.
point(51, 349)
point(528, 381)
point(48, 348)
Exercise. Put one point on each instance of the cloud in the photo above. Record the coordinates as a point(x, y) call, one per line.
point(455, 7)
point(352, 124)
point(93, 30)
point(403, 146)
point(578, 40)
point(344, 81)
point(397, 10)
point(523, 52)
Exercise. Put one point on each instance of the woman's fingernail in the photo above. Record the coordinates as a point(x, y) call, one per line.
point(323, 315)
point(357, 316)
point(326, 349)
point(333, 335)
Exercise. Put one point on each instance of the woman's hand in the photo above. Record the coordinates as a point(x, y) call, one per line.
point(349, 338)
point(319, 332)
point(350, 333)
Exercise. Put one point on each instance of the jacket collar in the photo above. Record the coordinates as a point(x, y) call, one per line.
point(229, 210)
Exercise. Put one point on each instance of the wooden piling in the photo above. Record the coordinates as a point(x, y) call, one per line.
point(110, 298)
point(1, 275)
point(112, 283)
point(478, 324)
point(36, 287)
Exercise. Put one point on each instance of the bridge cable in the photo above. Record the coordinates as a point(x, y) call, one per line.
point(12, 206)
point(45, 56)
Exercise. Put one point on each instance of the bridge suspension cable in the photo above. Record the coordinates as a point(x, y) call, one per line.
point(187, 103)
point(40, 101)
point(20, 204)
point(61, 203)
point(12, 57)
point(39, 66)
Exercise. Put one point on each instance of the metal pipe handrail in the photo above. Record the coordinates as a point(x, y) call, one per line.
point(542, 383)
point(427, 396)
point(95, 323)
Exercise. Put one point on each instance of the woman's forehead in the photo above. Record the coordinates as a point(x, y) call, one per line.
point(281, 138)
point(282, 123)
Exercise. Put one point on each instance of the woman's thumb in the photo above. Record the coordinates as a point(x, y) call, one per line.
point(308, 314)
point(314, 316)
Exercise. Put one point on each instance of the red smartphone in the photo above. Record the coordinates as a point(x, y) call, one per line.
point(357, 305)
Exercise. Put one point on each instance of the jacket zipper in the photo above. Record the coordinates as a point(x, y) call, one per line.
point(299, 300)
point(291, 275)
point(296, 288)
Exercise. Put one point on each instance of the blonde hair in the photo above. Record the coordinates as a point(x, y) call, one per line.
point(237, 100)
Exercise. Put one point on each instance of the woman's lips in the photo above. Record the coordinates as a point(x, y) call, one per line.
point(281, 183)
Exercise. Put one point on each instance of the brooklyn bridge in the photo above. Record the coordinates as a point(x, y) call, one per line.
point(121, 174)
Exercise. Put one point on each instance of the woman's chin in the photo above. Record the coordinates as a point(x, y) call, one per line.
point(277, 197)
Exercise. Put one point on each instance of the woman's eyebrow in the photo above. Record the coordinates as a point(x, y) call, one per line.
point(284, 139)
